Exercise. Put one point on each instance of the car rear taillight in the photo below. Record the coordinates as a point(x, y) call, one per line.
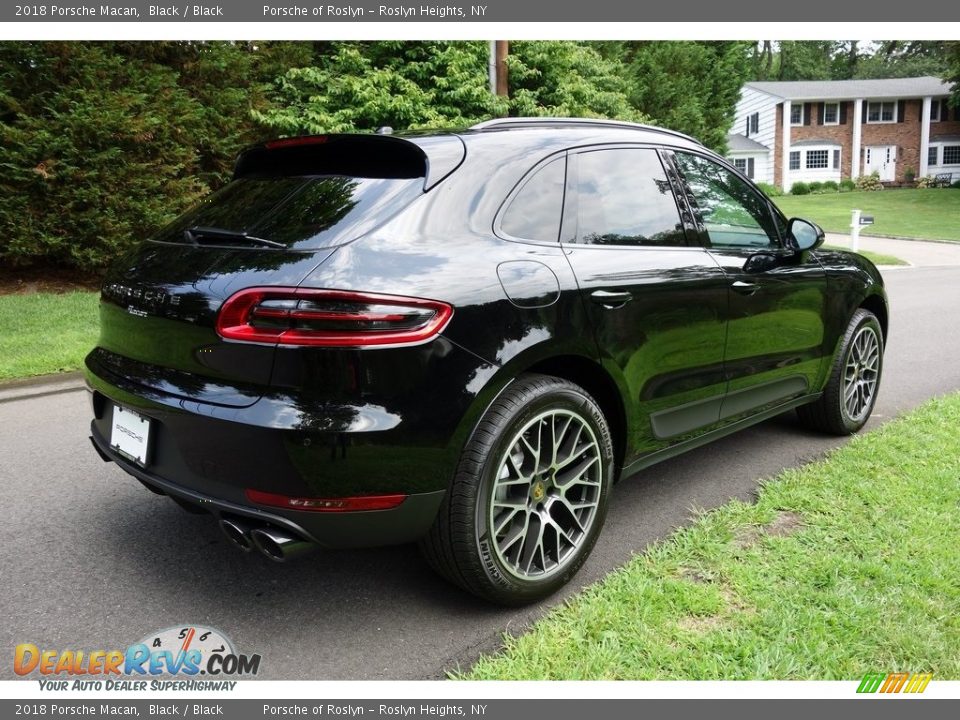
point(332, 318)
point(342, 504)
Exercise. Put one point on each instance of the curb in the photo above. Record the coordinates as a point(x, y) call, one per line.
point(25, 388)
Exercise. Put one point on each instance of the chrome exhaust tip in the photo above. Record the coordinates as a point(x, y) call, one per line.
point(279, 545)
point(237, 532)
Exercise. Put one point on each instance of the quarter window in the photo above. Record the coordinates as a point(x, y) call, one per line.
point(733, 214)
point(534, 213)
point(624, 198)
point(881, 112)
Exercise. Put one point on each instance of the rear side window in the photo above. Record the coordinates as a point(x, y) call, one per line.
point(534, 213)
point(297, 212)
point(624, 198)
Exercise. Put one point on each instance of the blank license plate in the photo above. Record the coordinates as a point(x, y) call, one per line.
point(130, 434)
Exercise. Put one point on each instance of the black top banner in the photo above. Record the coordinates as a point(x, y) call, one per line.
point(734, 12)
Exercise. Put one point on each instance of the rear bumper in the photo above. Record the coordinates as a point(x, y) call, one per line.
point(405, 523)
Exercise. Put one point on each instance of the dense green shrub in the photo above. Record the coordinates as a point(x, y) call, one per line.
point(815, 186)
point(830, 185)
point(869, 182)
point(770, 190)
point(800, 188)
point(956, 184)
point(847, 185)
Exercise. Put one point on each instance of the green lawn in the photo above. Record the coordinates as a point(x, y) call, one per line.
point(932, 213)
point(45, 333)
point(844, 566)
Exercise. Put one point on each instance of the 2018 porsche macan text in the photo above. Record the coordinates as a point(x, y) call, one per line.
point(465, 338)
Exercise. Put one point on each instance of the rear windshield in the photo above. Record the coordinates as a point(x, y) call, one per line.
point(297, 212)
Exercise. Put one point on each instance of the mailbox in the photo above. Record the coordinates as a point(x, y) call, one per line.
point(866, 219)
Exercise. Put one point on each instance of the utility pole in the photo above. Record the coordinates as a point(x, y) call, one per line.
point(502, 47)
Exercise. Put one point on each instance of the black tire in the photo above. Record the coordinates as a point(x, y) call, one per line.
point(470, 542)
point(832, 413)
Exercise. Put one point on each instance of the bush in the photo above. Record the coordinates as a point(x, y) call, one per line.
point(800, 188)
point(831, 186)
point(869, 182)
point(815, 187)
point(847, 185)
point(956, 185)
point(770, 190)
point(925, 182)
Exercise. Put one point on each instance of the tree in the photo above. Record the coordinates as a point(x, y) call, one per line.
point(689, 86)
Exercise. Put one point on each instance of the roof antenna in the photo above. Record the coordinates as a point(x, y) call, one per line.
point(384, 130)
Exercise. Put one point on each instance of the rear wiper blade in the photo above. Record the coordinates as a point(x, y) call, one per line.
point(193, 235)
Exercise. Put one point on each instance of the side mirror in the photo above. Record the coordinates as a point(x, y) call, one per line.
point(804, 235)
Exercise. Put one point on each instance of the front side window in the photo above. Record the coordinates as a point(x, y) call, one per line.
point(624, 198)
point(831, 113)
point(881, 112)
point(794, 159)
point(951, 154)
point(733, 214)
point(796, 114)
point(534, 213)
point(817, 159)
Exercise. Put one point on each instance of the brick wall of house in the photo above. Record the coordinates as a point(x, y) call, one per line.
point(840, 134)
point(905, 135)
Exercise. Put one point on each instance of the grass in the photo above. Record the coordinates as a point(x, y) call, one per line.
point(927, 214)
point(874, 257)
point(841, 567)
point(44, 333)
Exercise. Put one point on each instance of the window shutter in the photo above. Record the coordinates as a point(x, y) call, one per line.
point(750, 166)
point(806, 113)
point(820, 114)
point(956, 112)
point(901, 111)
point(843, 113)
point(934, 110)
point(866, 107)
point(747, 133)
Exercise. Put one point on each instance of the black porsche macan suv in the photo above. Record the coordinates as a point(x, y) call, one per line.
point(465, 338)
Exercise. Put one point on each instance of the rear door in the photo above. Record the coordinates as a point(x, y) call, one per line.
point(774, 345)
point(656, 299)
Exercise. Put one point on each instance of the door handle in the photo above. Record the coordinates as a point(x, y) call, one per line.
point(745, 288)
point(611, 298)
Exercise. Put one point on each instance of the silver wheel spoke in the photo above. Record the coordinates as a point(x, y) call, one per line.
point(545, 498)
point(861, 373)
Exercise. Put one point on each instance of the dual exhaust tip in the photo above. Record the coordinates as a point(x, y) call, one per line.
point(277, 545)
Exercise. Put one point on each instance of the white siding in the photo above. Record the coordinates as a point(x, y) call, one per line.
point(754, 101)
point(761, 165)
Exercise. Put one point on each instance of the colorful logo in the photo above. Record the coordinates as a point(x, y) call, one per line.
point(894, 682)
point(189, 650)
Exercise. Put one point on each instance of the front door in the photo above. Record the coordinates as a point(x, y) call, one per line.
point(657, 303)
point(881, 159)
point(775, 331)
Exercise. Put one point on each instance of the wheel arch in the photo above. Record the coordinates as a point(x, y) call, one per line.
point(876, 304)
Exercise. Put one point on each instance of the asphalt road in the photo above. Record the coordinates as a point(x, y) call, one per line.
point(90, 560)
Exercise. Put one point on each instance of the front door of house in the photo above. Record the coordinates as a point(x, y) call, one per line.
point(882, 159)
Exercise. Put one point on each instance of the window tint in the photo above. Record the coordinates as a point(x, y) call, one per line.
point(625, 199)
point(534, 213)
point(306, 212)
point(732, 212)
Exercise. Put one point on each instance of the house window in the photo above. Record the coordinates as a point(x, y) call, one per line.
point(951, 154)
point(796, 114)
point(754, 123)
point(836, 159)
point(818, 159)
point(831, 113)
point(794, 159)
point(882, 112)
point(740, 164)
point(935, 110)
point(932, 152)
